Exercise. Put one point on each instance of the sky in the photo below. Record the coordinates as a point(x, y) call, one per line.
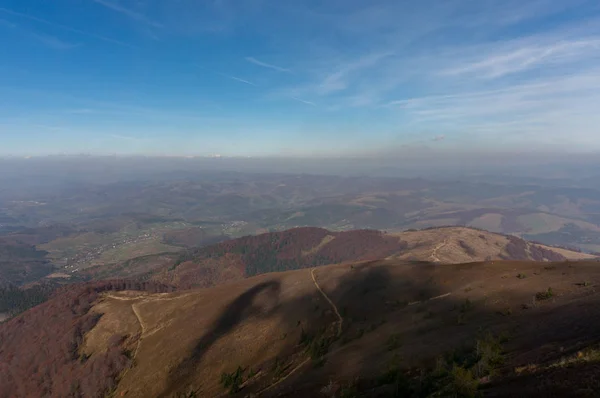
point(299, 78)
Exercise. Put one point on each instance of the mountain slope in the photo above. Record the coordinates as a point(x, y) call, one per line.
point(41, 350)
point(452, 245)
point(308, 247)
point(281, 334)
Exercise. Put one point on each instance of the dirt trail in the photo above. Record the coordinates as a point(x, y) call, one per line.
point(331, 303)
point(432, 298)
point(136, 312)
point(139, 342)
point(340, 323)
point(434, 256)
point(142, 328)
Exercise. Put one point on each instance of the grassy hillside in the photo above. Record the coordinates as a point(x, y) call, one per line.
point(42, 349)
point(380, 328)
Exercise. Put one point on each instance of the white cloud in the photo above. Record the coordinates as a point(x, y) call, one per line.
point(342, 76)
point(49, 41)
point(129, 13)
point(547, 109)
point(53, 42)
point(237, 79)
point(266, 65)
point(304, 101)
point(513, 60)
point(64, 27)
point(339, 80)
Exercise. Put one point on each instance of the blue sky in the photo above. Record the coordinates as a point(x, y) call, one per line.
point(318, 78)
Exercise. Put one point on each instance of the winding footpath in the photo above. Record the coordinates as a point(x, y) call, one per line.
point(331, 303)
point(340, 323)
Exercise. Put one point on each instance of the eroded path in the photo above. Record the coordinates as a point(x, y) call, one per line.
point(434, 255)
point(331, 303)
point(340, 323)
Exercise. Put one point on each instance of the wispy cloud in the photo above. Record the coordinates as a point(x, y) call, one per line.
point(237, 79)
point(49, 41)
point(438, 138)
point(129, 13)
point(340, 76)
point(266, 65)
point(338, 80)
point(508, 61)
point(66, 28)
point(304, 101)
point(545, 108)
point(53, 42)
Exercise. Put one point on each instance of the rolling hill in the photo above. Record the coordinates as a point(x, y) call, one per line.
point(297, 248)
point(309, 247)
point(369, 329)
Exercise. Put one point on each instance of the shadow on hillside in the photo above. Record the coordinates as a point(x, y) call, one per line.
point(581, 380)
point(239, 309)
point(377, 304)
point(365, 294)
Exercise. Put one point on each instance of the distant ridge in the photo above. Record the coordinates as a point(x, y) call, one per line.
point(309, 247)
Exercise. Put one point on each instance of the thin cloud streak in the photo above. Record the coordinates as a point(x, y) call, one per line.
point(545, 109)
point(237, 79)
point(53, 42)
point(304, 101)
point(266, 65)
point(66, 28)
point(338, 81)
point(49, 41)
point(503, 63)
point(129, 13)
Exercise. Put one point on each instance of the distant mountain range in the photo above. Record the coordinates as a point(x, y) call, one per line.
point(68, 225)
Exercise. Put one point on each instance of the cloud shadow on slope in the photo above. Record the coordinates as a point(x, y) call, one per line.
point(240, 308)
point(376, 304)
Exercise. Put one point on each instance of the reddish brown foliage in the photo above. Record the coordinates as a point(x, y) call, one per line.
point(291, 249)
point(517, 250)
point(192, 237)
point(541, 254)
point(361, 245)
point(566, 247)
point(39, 350)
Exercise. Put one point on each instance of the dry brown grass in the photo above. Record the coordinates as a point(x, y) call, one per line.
point(190, 339)
point(426, 245)
point(315, 249)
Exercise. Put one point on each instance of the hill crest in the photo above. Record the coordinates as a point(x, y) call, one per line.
point(310, 247)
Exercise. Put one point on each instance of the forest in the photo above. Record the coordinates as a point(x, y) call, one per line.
point(300, 248)
point(14, 300)
point(40, 348)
